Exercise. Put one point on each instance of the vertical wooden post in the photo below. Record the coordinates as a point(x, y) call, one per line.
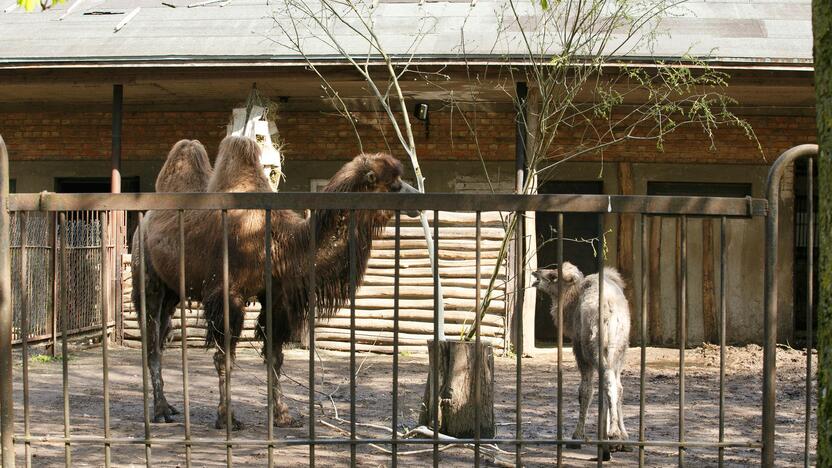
point(6, 397)
point(626, 225)
point(118, 220)
point(530, 226)
point(709, 325)
point(655, 315)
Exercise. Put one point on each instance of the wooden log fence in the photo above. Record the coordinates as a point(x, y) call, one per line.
point(374, 299)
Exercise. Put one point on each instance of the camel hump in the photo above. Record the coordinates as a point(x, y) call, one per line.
point(186, 169)
point(238, 167)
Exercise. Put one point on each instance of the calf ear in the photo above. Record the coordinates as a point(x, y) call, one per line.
point(551, 275)
point(569, 275)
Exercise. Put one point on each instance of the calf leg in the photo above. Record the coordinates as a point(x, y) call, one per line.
point(585, 392)
point(612, 395)
point(621, 430)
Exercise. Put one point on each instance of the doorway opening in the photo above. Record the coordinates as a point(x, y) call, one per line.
point(576, 227)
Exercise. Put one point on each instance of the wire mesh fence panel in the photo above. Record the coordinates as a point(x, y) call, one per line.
point(38, 256)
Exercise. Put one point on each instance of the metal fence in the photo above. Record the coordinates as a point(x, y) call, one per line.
point(650, 209)
point(43, 247)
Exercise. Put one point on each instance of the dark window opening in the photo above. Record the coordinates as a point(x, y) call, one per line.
point(576, 226)
point(801, 258)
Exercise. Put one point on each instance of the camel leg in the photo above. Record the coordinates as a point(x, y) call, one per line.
point(612, 395)
point(214, 316)
point(622, 431)
point(282, 418)
point(159, 303)
point(585, 392)
point(158, 330)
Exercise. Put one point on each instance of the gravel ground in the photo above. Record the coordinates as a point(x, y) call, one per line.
point(374, 407)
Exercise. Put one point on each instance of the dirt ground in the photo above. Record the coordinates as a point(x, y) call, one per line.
point(743, 391)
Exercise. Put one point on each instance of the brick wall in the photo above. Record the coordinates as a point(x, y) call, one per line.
point(323, 136)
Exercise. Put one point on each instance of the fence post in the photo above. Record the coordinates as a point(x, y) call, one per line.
point(775, 175)
point(6, 400)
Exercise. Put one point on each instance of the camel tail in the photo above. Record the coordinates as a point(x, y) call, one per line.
point(612, 275)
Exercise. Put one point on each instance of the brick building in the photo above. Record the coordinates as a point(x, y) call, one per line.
point(182, 71)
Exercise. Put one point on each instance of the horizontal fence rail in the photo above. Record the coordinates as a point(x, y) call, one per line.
point(651, 211)
point(667, 205)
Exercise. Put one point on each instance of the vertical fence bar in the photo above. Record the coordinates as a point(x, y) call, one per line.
point(518, 351)
point(270, 377)
point(683, 331)
point(312, 298)
point(603, 450)
point(105, 325)
point(477, 343)
point(810, 303)
point(64, 338)
point(24, 328)
point(435, 381)
point(560, 339)
point(183, 297)
point(775, 177)
point(226, 327)
point(353, 286)
point(643, 361)
point(143, 334)
point(723, 308)
point(53, 307)
point(396, 266)
point(6, 319)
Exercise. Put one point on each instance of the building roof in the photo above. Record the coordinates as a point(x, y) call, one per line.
point(771, 32)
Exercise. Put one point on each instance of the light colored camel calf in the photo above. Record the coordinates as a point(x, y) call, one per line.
point(580, 316)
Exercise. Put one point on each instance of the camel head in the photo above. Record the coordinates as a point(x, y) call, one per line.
point(379, 172)
point(546, 280)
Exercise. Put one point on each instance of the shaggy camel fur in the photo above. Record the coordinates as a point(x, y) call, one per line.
point(186, 169)
point(237, 169)
point(580, 312)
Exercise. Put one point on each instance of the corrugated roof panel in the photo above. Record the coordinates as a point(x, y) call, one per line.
point(767, 30)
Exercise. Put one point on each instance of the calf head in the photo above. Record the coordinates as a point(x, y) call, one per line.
point(547, 280)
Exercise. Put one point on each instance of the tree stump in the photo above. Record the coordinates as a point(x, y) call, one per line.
point(457, 389)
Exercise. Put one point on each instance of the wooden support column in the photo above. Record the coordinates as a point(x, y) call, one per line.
point(626, 224)
point(516, 284)
point(530, 225)
point(708, 296)
point(654, 315)
point(118, 220)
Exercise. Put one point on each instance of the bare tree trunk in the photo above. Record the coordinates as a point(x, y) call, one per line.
point(457, 389)
point(822, 25)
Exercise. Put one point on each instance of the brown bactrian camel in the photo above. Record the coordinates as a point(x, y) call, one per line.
point(237, 169)
point(186, 169)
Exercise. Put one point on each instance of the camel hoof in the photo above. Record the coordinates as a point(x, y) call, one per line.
point(164, 413)
point(287, 422)
point(220, 423)
point(605, 456)
point(573, 446)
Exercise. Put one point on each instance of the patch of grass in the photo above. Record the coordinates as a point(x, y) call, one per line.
point(45, 359)
point(405, 354)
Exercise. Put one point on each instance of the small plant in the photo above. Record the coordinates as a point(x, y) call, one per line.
point(45, 359)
